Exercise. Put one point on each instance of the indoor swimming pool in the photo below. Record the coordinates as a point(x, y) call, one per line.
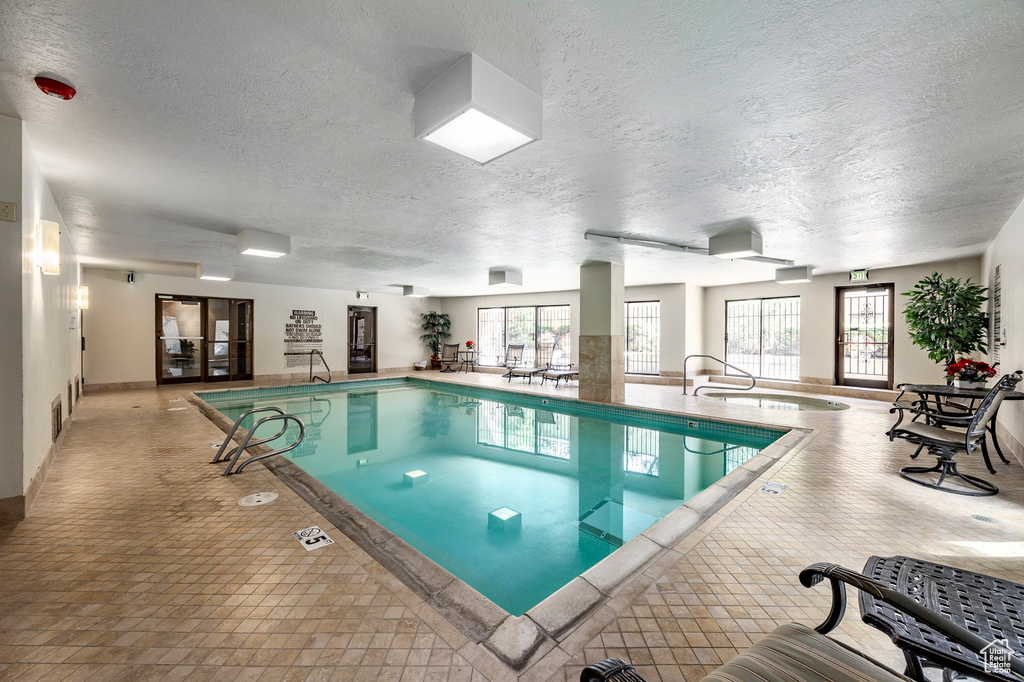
point(486, 483)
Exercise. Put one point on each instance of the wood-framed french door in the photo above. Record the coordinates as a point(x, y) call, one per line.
point(864, 336)
point(203, 339)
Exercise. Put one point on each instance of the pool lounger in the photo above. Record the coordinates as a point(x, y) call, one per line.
point(521, 373)
point(558, 374)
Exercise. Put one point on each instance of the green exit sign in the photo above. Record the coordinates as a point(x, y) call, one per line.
point(858, 275)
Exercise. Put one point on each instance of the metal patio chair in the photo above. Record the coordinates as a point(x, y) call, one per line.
point(945, 440)
point(449, 356)
point(512, 359)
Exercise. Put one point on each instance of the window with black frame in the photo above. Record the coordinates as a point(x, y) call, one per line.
point(542, 330)
point(643, 337)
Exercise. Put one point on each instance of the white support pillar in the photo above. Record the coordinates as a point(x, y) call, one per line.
point(602, 333)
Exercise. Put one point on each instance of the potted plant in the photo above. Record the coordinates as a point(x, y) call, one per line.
point(968, 373)
point(470, 345)
point(437, 328)
point(944, 317)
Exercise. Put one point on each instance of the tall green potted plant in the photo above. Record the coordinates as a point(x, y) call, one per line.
point(945, 317)
point(437, 328)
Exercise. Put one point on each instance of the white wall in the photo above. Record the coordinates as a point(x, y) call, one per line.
point(1007, 249)
point(817, 318)
point(11, 470)
point(51, 346)
point(673, 298)
point(120, 325)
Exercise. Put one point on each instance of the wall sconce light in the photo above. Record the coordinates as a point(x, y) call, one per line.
point(793, 275)
point(478, 111)
point(215, 272)
point(49, 247)
point(415, 292)
point(83, 298)
point(505, 278)
point(266, 244)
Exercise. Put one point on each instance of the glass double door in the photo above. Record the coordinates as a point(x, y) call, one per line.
point(864, 336)
point(203, 339)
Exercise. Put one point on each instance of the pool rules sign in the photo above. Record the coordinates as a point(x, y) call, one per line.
point(302, 334)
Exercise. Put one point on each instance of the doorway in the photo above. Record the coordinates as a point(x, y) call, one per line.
point(202, 339)
point(362, 339)
point(864, 336)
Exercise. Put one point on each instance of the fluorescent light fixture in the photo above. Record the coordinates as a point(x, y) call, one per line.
point(216, 272)
point(505, 278)
point(266, 244)
point(49, 247)
point(735, 244)
point(477, 111)
point(415, 292)
point(83, 298)
point(648, 243)
point(793, 275)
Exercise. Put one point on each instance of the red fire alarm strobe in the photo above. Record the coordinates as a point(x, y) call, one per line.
point(55, 88)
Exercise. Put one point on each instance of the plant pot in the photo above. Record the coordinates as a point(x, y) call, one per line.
point(959, 383)
point(435, 363)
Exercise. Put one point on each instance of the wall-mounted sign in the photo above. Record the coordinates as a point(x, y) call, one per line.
point(302, 333)
point(858, 275)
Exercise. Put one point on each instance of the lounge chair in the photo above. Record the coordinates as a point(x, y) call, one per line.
point(513, 358)
point(796, 653)
point(449, 356)
point(939, 434)
point(558, 371)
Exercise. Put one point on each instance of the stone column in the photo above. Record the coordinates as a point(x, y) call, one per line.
point(602, 333)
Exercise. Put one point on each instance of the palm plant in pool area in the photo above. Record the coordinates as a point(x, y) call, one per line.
point(437, 328)
point(944, 317)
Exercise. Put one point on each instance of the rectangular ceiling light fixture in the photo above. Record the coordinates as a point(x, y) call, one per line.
point(793, 275)
point(415, 292)
point(49, 247)
point(266, 244)
point(477, 111)
point(735, 244)
point(505, 278)
point(216, 272)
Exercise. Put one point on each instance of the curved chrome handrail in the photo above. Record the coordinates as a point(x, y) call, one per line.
point(221, 455)
point(312, 379)
point(712, 357)
point(245, 443)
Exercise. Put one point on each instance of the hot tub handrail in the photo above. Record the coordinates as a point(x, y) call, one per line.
point(753, 381)
point(313, 379)
point(222, 455)
point(245, 443)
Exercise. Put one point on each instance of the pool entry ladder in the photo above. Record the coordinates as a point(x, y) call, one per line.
point(223, 454)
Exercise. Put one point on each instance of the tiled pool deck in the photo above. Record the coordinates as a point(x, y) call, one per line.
point(135, 562)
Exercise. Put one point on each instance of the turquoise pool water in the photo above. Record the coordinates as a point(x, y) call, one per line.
point(569, 482)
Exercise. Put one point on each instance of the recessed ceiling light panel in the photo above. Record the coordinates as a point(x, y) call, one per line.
point(266, 244)
point(735, 244)
point(477, 111)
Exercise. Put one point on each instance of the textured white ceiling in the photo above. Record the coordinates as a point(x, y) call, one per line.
point(851, 134)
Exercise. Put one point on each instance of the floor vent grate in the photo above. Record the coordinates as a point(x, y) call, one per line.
point(986, 519)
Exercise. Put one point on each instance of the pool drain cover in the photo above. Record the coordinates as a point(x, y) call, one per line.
point(256, 499)
point(986, 519)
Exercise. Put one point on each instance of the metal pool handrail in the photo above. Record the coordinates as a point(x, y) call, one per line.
point(312, 379)
point(727, 388)
point(245, 442)
point(222, 456)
